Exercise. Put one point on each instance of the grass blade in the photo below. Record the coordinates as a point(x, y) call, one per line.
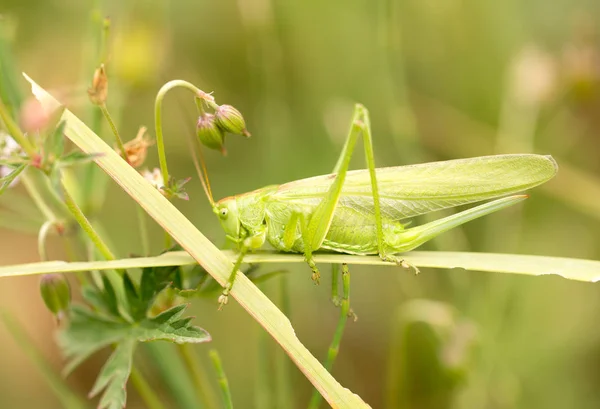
point(204, 252)
point(569, 268)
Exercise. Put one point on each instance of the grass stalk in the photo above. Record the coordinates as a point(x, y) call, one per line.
point(146, 392)
point(199, 377)
point(221, 378)
point(334, 347)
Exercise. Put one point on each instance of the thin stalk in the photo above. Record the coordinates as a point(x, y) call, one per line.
point(37, 198)
point(137, 378)
point(221, 378)
point(68, 399)
point(263, 396)
point(87, 226)
point(42, 235)
point(285, 390)
point(143, 225)
point(199, 377)
point(14, 131)
point(115, 132)
point(160, 143)
point(334, 347)
point(144, 389)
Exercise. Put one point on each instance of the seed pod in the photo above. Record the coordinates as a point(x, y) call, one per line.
point(56, 293)
point(231, 120)
point(99, 89)
point(209, 133)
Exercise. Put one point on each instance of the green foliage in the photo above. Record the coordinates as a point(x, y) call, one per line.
point(6, 181)
point(430, 356)
point(175, 188)
point(101, 324)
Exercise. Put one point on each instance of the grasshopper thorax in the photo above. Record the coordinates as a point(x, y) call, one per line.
point(227, 212)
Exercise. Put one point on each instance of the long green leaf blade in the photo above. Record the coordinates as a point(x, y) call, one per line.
point(203, 251)
point(569, 268)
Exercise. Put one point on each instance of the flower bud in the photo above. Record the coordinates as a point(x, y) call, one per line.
point(99, 90)
point(56, 293)
point(209, 133)
point(231, 120)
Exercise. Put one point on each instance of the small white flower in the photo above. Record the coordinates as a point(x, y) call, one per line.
point(154, 177)
point(8, 147)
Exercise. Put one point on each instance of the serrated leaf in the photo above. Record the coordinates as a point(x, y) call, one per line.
point(109, 296)
point(8, 179)
point(114, 375)
point(54, 144)
point(89, 331)
point(154, 280)
point(14, 161)
point(77, 158)
point(137, 307)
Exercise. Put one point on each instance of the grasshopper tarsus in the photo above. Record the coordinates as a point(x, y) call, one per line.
point(223, 300)
point(316, 277)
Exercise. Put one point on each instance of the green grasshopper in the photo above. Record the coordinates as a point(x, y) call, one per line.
point(365, 211)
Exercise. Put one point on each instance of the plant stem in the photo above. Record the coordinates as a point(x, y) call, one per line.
point(42, 234)
point(143, 225)
point(87, 226)
point(57, 384)
point(14, 131)
point(115, 131)
point(282, 364)
point(199, 377)
point(148, 395)
point(221, 378)
point(334, 347)
point(160, 144)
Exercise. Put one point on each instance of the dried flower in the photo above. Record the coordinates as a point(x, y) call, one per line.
point(231, 120)
point(137, 148)
point(99, 90)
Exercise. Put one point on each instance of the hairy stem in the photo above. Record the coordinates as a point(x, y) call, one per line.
point(160, 143)
point(221, 378)
point(145, 391)
point(115, 131)
point(199, 377)
point(14, 131)
point(334, 347)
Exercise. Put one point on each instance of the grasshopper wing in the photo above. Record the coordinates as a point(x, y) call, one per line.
point(408, 191)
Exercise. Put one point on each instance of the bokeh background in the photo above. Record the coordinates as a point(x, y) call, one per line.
point(443, 79)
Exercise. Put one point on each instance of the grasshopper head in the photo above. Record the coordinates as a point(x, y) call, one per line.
point(227, 211)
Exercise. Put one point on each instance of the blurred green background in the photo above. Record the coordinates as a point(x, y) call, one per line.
point(442, 79)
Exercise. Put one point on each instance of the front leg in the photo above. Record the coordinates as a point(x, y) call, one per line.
point(252, 242)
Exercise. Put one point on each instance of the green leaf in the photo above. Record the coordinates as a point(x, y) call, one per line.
point(569, 268)
point(113, 377)
point(90, 331)
point(77, 158)
point(54, 144)
point(8, 179)
point(431, 355)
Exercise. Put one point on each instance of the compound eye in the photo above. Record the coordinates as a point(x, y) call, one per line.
point(223, 213)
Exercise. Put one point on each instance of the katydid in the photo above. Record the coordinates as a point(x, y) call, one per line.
point(366, 211)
